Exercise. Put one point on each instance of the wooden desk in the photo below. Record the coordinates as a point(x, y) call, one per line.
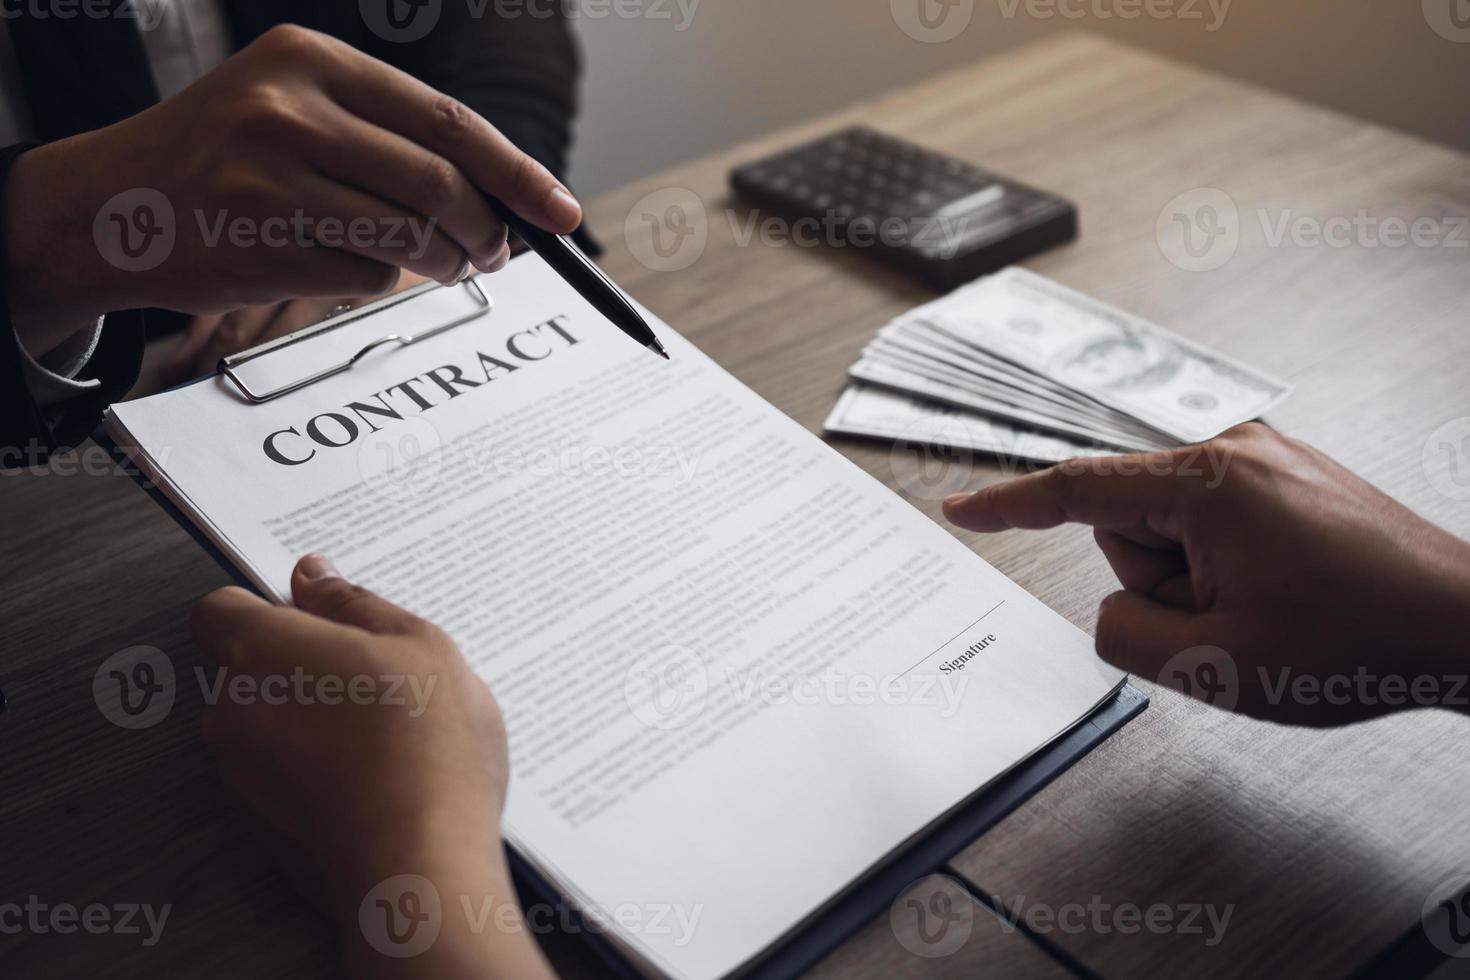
point(1326, 844)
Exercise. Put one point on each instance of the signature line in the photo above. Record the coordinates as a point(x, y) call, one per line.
point(952, 639)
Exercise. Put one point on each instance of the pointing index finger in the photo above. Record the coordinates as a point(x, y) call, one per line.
point(1113, 492)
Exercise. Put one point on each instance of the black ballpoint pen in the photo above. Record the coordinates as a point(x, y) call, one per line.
point(583, 275)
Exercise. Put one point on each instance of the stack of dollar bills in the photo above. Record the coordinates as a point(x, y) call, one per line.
point(1019, 366)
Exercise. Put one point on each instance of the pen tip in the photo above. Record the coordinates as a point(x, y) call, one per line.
point(658, 349)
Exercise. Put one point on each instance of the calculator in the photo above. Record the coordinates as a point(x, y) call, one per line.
point(937, 217)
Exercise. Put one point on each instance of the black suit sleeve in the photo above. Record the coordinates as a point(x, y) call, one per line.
point(29, 432)
point(519, 70)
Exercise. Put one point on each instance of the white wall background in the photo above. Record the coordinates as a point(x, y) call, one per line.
point(667, 80)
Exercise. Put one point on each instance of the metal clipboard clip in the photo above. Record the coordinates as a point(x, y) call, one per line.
point(227, 365)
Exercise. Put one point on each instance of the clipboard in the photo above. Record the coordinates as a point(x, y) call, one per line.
point(230, 368)
point(846, 914)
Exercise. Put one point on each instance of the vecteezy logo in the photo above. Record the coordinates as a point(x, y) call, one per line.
point(401, 917)
point(666, 688)
point(404, 462)
point(1450, 19)
point(929, 921)
point(667, 230)
point(932, 21)
point(1199, 230)
point(401, 21)
point(135, 231)
point(134, 688)
point(1204, 673)
point(1446, 459)
point(148, 13)
point(1446, 916)
point(926, 461)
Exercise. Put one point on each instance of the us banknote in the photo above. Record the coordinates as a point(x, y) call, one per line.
point(1049, 332)
point(880, 414)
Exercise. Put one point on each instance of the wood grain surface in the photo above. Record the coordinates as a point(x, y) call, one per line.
point(1324, 845)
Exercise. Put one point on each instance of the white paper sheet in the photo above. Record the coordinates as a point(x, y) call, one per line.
point(736, 670)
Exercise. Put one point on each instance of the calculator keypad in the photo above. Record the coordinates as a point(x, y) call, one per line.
point(925, 208)
point(859, 175)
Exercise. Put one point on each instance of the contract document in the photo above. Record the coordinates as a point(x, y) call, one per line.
point(737, 671)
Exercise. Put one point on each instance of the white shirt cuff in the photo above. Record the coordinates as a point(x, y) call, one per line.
point(51, 378)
